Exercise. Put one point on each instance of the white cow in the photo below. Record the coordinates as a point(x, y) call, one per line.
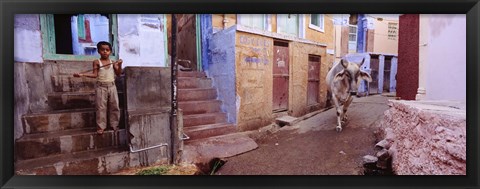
point(343, 80)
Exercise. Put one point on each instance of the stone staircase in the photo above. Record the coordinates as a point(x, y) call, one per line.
point(202, 115)
point(211, 136)
point(63, 141)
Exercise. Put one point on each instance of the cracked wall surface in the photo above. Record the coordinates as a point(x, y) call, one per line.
point(427, 137)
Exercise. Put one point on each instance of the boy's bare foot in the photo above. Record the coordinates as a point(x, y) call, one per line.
point(100, 131)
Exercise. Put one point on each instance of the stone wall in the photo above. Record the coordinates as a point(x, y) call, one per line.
point(254, 57)
point(426, 137)
point(148, 98)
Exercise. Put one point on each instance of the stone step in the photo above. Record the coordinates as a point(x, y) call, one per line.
point(75, 100)
point(203, 119)
point(206, 131)
point(96, 162)
point(192, 82)
point(63, 142)
point(203, 150)
point(197, 94)
point(191, 74)
point(62, 120)
point(68, 83)
point(200, 107)
point(58, 120)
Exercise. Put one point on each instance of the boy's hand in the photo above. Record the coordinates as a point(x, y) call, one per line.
point(76, 75)
point(119, 63)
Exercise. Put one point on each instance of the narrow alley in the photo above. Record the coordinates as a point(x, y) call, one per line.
point(313, 147)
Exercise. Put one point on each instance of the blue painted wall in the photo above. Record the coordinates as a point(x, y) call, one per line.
point(206, 34)
point(221, 69)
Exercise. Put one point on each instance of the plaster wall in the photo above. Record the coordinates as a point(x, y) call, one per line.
point(142, 40)
point(27, 38)
point(445, 68)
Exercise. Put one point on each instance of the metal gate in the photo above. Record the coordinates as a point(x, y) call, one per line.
point(313, 79)
point(374, 66)
point(280, 76)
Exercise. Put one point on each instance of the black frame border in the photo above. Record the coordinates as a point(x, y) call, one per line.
point(8, 8)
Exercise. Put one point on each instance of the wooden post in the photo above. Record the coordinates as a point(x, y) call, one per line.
point(173, 118)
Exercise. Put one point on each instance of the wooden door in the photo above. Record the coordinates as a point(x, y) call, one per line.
point(313, 80)
point(374, 66)
point(186, 40)
point(280, 76)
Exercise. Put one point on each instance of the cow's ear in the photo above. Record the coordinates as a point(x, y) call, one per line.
point(365, 76)
point(339, 76)
point(344, 63)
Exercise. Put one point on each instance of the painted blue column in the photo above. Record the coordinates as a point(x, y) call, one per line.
point(206, 34)
point(393, 74)
point(381, 70)
point(360, 33)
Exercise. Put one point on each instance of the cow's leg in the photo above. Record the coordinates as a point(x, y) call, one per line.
point(345, 107)
point(339, 113)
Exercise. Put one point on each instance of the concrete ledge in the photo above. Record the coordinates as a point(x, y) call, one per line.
point(204, 150)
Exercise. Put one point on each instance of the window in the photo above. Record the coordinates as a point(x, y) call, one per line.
point(288, 24)
point(257, 21)
point(75, 36)
point(392, 30)
point(317, 22)
point(352, 39)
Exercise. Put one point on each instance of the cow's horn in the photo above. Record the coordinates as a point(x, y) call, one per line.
point(344, 63)
point(363, 61)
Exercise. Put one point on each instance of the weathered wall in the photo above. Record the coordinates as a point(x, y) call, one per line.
point(344, 41)
point(326, 37)
point(222, 70)
point(370, 40)
point(408, 56)
point(426, 137)
point(299, 76)
point(27, 38)
point(382, 44)
point(445, 69)
point(274, 22)
point(142, 39)
point(147, 88)
point(254, 57)
point(148, 98)
point(217, 21)
point(32, 84)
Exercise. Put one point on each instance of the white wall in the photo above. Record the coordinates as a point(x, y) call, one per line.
point(27, 38)
point(142, 39)
point(445, 68)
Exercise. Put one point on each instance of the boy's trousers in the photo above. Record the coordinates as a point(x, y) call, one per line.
point(107, 100)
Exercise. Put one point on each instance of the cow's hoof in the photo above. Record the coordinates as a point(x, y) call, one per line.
point(338, 128)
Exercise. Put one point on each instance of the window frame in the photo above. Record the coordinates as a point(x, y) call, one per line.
point(356, 38)
point(315, 27)
point(300, 28)
point(266, 26)
point(47, 26)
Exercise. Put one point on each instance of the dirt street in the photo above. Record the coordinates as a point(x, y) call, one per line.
point(313, 147)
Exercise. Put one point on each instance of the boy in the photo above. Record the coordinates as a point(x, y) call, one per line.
point(105, 91)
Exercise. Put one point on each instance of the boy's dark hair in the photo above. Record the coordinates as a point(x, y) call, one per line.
point(99, 44)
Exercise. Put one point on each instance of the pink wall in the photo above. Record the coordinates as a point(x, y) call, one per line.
point(445, 71)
